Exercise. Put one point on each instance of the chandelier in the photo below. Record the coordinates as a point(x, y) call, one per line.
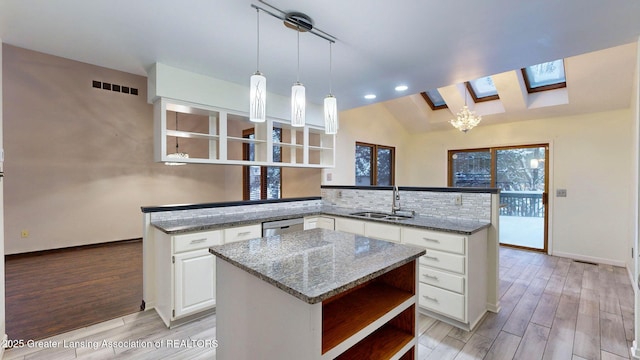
point(465, 119)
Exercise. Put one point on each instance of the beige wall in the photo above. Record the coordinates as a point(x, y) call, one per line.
point(591, 157)
point(79, 160)
point(371, 124)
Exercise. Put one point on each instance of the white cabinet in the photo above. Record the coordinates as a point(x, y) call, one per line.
point(213, 135)
point(185, 274)
point(452, 275)
point(322, 222)
point(195, 282)
point(382, 231)
point(374, 230)
point(350, 226)
point(240, 233)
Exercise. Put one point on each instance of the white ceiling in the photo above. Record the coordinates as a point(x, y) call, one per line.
point(424, 44)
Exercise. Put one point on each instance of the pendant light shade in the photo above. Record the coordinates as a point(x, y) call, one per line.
point(298, 99)
point(257, 108)
point(297, 105)
point(330, 115)
point(330, 105)
point(258, 86)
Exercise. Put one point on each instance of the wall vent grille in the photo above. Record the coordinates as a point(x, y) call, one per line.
point(114, 87)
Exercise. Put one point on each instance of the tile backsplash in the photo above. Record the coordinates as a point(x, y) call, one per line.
point(230, 210)
point(474, 206)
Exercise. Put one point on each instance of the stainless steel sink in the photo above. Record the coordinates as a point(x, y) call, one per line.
point(377, 215)
point(370, 214)
point(396, 217)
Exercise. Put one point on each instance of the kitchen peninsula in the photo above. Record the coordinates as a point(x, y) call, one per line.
point(316, 294)
point(458, 278)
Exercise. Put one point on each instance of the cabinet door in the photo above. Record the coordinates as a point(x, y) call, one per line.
point(195, 282)
point(322, 222)
point(350, 226)
point(382, 231)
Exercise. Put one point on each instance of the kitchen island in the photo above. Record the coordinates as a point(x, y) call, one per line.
point(316, 294)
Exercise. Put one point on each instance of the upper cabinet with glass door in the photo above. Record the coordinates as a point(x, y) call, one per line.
point(208, 135)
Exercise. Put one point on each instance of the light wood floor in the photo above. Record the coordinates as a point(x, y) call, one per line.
point(552, 308)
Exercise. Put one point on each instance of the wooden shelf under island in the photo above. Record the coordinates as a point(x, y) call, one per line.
point(316, 294)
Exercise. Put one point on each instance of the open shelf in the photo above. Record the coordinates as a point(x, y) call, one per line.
point(350, 312)
point(389, 341)
point(213, 135)
point(191, 135)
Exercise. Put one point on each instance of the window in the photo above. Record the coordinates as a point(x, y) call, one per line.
point(545, 76)
point(261, 182)
point(375, 164)
point(482, 89)
point(434, 99)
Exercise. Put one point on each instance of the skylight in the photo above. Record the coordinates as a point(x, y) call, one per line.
point(482, 89)
point(434, 99)
point(545, 76)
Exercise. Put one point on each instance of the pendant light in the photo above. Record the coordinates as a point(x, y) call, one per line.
point(298, 95)
point(177, 156)
point(330, 105)
point(258, 92)
point(465, 119)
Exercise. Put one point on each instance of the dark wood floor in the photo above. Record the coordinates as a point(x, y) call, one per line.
point(49, 293)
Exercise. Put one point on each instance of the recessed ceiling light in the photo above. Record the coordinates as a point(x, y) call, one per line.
point(401, 87)
point(370, 96)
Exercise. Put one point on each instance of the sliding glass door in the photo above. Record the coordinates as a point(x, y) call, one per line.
point(521, 174)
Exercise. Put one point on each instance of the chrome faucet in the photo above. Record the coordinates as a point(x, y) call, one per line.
point(395, 204)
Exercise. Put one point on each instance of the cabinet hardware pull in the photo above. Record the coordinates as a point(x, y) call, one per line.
point(434, 258)
point(198, 241)
point(244, 233)
point(430, 276)
point(430, 298)
point(432, 240)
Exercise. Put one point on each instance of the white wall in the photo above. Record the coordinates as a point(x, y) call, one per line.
point(2, 251)
point(591, 157)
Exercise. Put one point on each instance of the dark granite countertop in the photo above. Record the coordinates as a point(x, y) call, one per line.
point(458, 226)
point(314, 265)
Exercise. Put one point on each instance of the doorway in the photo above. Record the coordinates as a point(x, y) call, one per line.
point(521, 174)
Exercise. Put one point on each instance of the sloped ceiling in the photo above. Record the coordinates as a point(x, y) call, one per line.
point(422, 44)
point(596, 81)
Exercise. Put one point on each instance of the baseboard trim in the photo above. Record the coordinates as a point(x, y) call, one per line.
point(589, 259)
point(634, 350)
point(5, 340)
point(70, 248)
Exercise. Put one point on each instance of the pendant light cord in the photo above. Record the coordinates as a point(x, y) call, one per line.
point(258, 42)
point(298, 75)
point(330, 69)
point(177, 134)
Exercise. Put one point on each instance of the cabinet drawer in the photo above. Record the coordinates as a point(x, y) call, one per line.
point(443, 260)
point(382, 231)
point(442, 301)
point(441, 279)
point(242, 233)
point(196, 241)
point(434, 240)
point(318, 222)
point(350, 226)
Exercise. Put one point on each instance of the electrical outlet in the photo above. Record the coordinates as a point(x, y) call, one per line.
point(24, 234)
point(458, 199)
